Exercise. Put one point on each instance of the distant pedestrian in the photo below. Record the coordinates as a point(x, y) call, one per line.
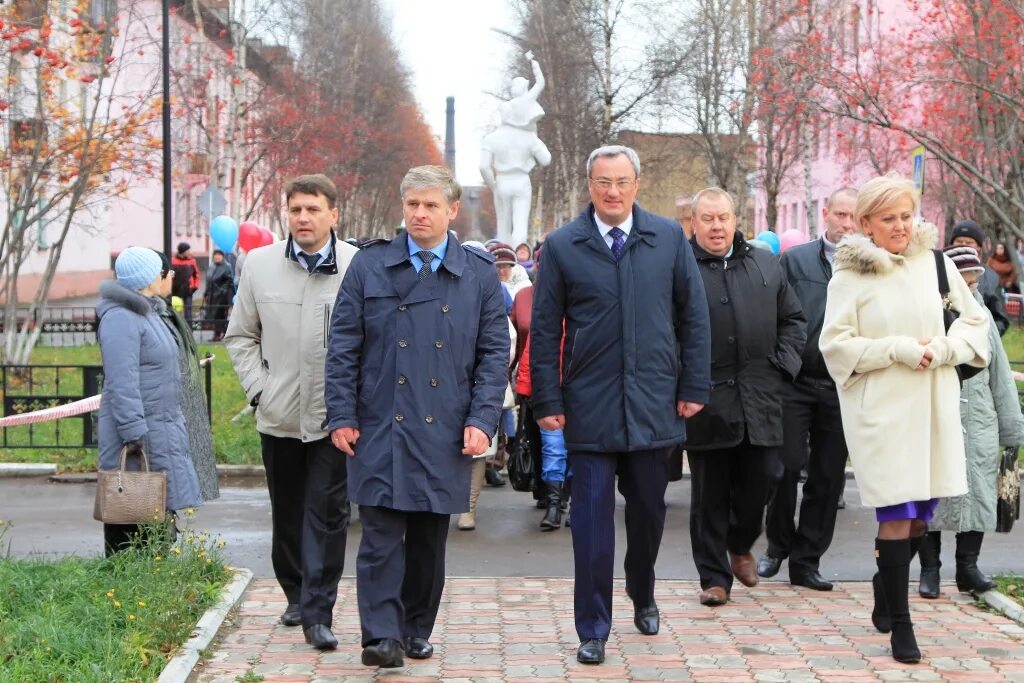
point(991, 416)
point(811, 422)
point(416, 371)
point(758, 333)
point(967, 233)
point(885, 344)
point(220, 290)
point(622, 286)
point(277, 338)
point(1002, 263)
point(186, 276)
point(141, 407)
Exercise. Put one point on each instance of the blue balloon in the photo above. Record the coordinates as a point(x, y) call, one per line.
point(224, 233)
point(771, 239)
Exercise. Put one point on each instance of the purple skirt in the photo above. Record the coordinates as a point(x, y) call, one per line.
point(923, 510)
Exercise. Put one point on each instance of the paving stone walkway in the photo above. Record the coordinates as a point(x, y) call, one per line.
point(521, 630)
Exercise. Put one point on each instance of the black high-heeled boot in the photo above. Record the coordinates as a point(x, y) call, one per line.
point(893, 560)
point(929, 552)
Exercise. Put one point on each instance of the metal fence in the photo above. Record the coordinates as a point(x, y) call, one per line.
point(76, 325)
point(29, 388)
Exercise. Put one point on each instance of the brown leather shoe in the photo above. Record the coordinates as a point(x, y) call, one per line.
point(744, 568)
point(714, 596)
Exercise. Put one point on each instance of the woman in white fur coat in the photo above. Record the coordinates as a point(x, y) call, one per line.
point(893, 362)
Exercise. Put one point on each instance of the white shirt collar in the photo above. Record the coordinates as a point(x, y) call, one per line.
point(604, 228)
point(323, 252)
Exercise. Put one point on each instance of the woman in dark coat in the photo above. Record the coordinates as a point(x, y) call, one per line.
point(220, 288)
point(141, 408)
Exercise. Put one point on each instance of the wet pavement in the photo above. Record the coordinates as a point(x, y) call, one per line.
point(53, 519)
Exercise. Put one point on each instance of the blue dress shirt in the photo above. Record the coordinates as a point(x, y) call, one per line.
point(439, 251)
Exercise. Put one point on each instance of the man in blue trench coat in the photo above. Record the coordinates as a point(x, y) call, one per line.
point(634, 364)
point(416, 373)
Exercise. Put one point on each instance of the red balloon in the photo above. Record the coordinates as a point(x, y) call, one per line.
point(249, 236)
point(266, 237)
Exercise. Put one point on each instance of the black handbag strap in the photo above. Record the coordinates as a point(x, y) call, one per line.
point(940, 271)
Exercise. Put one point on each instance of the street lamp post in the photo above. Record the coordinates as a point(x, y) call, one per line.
point(166, 113)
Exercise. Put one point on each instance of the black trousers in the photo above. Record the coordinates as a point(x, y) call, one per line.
point(643, 478)
point(729, 487)
point(218, 313)
point(308, 484)
point(813, 438)
point(399, 572)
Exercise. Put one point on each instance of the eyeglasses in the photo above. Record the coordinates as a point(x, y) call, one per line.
point(622, 184)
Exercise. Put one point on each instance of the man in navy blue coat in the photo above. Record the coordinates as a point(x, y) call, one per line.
point(416, 371)
point(635, 363)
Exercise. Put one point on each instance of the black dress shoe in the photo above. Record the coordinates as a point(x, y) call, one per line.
point(291, 616)
point(811, 579)
point(385, 653)
point(591, 651)
point(646, 620)
point(320, 637)
point(418, 648)
point(768, 566)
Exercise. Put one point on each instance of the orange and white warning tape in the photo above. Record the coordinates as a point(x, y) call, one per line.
point(86, 405)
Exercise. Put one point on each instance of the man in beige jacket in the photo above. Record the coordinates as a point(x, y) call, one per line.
point(277, 338)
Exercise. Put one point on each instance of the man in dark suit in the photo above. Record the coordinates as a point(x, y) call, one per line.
point(416, 373)
point(634, 365)
point(811, 424)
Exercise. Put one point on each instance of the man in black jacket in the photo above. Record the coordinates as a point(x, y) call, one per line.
point(811, 423)
point(969, 234)
point(757, 336)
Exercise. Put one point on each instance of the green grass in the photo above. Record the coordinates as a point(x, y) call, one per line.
point(95, 619)
point(236, 443)
point(1012, 587)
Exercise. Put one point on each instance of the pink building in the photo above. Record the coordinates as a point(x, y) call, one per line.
point(204, 66)
point(836, 150)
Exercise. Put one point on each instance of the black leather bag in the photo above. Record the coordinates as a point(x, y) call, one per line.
point(1007, 491)
point(949, 314)
point(520, 465)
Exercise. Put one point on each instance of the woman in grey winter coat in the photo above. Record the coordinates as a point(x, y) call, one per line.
point(991, 416)
point(141, 406)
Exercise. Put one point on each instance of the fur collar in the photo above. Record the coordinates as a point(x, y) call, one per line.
point(858, 253)
point(119, 295)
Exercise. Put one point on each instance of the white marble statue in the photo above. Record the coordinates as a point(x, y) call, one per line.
point(509, 154)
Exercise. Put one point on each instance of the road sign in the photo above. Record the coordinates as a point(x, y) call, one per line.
point(918, 156)
point(212, 202)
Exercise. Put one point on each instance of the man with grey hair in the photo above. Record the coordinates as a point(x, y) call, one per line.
point(757, 336)
point(416, 372)
point(634, 364)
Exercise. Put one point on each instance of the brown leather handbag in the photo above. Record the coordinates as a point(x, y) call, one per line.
point(130, 497)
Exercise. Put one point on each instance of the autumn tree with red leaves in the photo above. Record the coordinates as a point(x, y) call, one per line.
point(948, 76)
point(349, 57)
point(74, 135)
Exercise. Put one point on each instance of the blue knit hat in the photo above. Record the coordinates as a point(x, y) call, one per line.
point(137, 267)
